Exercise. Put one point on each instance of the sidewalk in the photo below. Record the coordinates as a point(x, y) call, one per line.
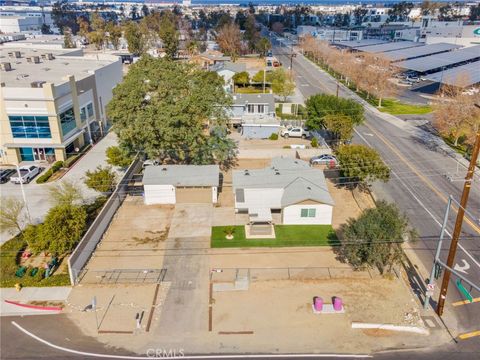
point(29, 294)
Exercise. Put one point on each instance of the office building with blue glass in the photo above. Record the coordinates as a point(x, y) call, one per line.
point(51, 105)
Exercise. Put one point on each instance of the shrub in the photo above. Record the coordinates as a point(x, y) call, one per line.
point(48, 174)
point(43, 178)
point(71, 160)
point(229, 230)
point(273, 136)
point(314, 143)
point(118, 157)
point(103, 179)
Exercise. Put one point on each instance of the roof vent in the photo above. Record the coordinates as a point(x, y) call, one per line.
point(246, 172)
point(37, 84)
point(309, 188)
point(277, 172)
point(17, 54)
point(6, 66)
point(50, 56)
point(164, 169)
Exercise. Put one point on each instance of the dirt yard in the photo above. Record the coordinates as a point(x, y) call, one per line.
point(277, 309)
point(135, 238)
point(253, 64)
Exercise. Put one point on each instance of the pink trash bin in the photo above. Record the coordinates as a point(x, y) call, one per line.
point(318, 303)
point(337, 304)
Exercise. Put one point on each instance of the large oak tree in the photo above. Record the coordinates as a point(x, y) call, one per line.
point(173, 112)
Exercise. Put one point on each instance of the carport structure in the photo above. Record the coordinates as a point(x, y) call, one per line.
point(420, 51)
point(434, 63)
point(356, 44)
point(461, 76)
point(391, 46)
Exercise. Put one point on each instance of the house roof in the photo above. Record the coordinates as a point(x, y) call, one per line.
point(298, 179)
point(182, 175)
point(244, 99)
point(228, 65)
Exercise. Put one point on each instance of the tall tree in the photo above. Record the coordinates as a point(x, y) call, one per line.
point(241, 78)
point(169, 34)
point(114, 34)
point(229, 40)
point(97, 35)
point(84, 27)
point(145, 10)
point(251, 35)
point(68, 42)
point(321, 105)
point(162, 108)
point(263, 45)
point(374, 239)
point(361, 164)
point(282, 83)
point(135, 39)
point(455, 113)
point(340, 125)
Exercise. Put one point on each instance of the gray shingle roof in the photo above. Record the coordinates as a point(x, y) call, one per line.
point(243, 99)
point(182, 175)
point(298, 179)
point(228, 65)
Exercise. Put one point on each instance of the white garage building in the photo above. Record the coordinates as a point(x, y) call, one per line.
point(289, 186)
point(173, 184)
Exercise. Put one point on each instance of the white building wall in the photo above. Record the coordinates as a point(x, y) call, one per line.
point(323, 215)
point(159, 194)
point(261, 198)
point(106, 79)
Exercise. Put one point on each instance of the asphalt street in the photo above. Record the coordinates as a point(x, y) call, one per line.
point(419, 184)
point(63, 338)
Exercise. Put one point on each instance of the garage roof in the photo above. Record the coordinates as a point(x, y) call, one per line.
point(438, 61)
point(182, 175)
point(463, 76)
point(411, 53)
point(391, 46)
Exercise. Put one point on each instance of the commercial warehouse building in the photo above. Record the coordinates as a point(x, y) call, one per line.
point(52, 105)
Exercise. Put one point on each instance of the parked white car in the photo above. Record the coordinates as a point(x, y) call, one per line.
point(296, 132)
point(27, 173)
point(324, 159)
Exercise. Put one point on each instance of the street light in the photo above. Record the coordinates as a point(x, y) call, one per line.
point(23, 192)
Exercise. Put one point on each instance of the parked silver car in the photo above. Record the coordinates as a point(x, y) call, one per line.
point(324, 159)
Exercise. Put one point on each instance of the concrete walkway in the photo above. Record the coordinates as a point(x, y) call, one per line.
point(37, 194)
point(28, 294)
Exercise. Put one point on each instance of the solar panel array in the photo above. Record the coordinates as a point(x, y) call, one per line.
point(359, 43)
point(438, 61)
point(391, 46)
point(410, 53)
point(463, 76)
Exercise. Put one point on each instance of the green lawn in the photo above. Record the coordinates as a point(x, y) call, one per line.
point(396, 107)
point(286, 235)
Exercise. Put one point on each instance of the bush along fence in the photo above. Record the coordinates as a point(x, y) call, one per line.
point(89, 242)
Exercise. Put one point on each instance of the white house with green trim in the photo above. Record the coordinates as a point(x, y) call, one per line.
point(290, 187)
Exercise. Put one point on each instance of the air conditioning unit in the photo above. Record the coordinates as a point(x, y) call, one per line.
point(17, 54)
point(37, 84)
point(6, 66)
point(36, 59)
point(50, 56)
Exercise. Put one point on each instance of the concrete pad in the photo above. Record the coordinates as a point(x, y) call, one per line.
point(191, 220)
point(223, 216)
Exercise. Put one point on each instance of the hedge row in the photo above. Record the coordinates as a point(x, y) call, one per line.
point(48, 174)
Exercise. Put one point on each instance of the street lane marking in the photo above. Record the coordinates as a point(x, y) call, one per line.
point(466, 302)
point(428, 183)
point(463, 268)
point(245, 356)
point(469, 335)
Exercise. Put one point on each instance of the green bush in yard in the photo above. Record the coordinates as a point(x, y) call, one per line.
point(314, 143)
point(273, 136)
point(48, 174)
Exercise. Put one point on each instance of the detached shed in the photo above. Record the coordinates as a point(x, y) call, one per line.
point(172, 184)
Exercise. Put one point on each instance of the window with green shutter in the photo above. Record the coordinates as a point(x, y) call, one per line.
point(304, 213)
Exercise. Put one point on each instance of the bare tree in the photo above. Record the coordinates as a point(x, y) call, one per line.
point(11, 215)
point(455, 114)
point(229, 39)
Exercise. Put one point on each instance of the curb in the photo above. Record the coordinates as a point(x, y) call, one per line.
point(34, 307)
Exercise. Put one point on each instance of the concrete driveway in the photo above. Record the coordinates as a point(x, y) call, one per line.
point(185, 309)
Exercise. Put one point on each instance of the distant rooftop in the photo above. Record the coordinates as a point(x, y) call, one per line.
point(244, 99)
point(24, 70)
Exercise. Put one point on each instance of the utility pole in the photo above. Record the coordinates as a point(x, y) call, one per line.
point(264, 78)
point(458, 223)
